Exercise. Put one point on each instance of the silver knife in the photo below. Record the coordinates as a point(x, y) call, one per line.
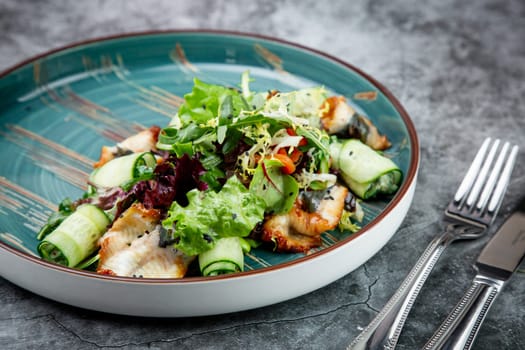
point(495, 265)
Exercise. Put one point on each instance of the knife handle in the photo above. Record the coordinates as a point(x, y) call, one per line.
point(384, 330)
point(461, 326)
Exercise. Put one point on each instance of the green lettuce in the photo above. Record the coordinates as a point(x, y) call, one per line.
point(208, 101)
point(232, 212)
point(278, 190)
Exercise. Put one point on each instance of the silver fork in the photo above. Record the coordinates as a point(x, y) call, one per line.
point(469, 214)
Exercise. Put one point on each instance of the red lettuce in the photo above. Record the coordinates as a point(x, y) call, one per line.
point(172, 179)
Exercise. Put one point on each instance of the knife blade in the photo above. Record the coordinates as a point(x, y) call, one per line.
point(495, 265)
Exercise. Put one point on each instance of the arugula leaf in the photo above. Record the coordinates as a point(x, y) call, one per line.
point(233, 136)
point(250, 119)
point(180, 140)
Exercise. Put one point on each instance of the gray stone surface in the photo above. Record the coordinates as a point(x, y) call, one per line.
point(459, 69)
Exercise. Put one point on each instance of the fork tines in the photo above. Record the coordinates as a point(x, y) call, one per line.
point(482, 189)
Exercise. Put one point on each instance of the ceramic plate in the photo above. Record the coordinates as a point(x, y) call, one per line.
point(58, 109)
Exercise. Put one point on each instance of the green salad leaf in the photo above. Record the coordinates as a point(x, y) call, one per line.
point(65, 208)
point(208, 101)
point(232, 212)
point(278, 190)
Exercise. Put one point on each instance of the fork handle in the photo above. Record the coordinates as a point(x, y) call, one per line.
point(461, 326)
point(384, 330)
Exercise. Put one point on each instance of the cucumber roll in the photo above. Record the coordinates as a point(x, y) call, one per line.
point(366, 172)
point(122, 170)
point(227, 256)
point(76, 237)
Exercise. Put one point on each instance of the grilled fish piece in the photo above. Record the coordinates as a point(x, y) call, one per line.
point(131, 248)
point(300, 229)
point(340, 118)
point(143, 141)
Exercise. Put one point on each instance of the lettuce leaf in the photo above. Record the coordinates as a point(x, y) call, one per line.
point(204, 121)
point(278, 190)
point(232, 212)
point(208, 101)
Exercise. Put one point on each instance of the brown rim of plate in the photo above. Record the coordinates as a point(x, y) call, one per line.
point(408, 178)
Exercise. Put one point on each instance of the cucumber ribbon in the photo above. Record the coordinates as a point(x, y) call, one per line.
point(366, 172)
point(227, 256)
point(76, 237)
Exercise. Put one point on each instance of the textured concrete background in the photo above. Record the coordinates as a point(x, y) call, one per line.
point(459, 69)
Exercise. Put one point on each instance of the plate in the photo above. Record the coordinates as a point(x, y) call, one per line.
point(58, 109)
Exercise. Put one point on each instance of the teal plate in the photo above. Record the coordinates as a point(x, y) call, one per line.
point(57, 110)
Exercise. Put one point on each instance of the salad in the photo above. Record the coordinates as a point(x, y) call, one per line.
point(233, 170)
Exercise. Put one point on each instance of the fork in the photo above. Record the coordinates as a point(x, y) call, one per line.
point(468, 216)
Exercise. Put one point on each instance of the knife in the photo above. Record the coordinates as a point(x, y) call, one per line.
point(495, 265)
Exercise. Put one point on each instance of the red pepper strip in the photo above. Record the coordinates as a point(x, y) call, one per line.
point(288, 165)
point(292, 132)
point(295, 156)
